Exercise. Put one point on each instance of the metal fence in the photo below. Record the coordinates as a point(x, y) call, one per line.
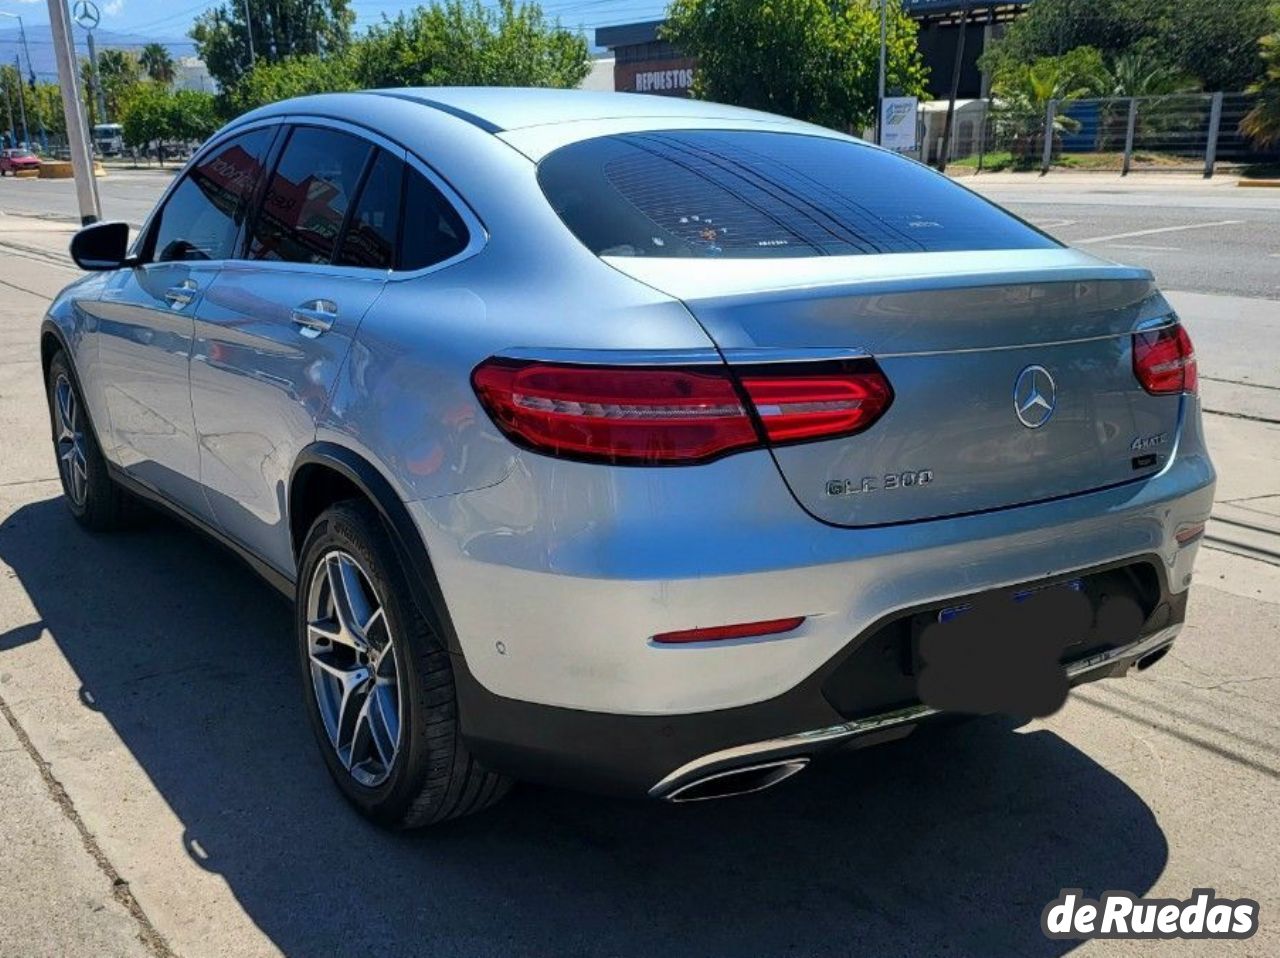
point(1175, 133)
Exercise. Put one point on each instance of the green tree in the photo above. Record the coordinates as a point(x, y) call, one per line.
point(296, 76)
point(120, 73)
point(280, 29)
point(1262, 123)
point(1023, 94)
point(193, 115)
point(1213, 41)
point(9, 81)
point(815, 60)
point(465, 43)
point(152, 112)
point(155, 59)
point(145, 116)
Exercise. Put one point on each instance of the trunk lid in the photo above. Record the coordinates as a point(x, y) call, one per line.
point(1012, 372)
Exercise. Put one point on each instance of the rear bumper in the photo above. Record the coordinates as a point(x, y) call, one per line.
point(653, 755)
point(556, 579)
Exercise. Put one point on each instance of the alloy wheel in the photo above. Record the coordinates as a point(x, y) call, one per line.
point(71, 441)
point(354, 668)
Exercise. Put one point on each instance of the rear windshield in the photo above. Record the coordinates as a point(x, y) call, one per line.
point(738, 194)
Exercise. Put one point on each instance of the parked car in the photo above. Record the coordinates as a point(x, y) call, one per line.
point(628, 443)
point(17, 161)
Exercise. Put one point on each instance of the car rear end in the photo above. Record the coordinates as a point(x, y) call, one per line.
point(913, 412)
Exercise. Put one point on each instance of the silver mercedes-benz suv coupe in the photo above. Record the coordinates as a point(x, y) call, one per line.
point(632, 443)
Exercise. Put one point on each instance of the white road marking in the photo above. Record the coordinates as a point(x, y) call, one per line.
point(1160, 229)
point(1053, 224)
point(1165, 249)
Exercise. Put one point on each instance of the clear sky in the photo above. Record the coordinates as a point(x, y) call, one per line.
point(171, 20)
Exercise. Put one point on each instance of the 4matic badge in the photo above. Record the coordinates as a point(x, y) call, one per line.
point(893, 480)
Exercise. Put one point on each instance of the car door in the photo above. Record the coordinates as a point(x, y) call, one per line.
point(273, 327)
point(146, 318)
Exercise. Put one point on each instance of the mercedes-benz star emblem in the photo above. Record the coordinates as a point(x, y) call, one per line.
point(1034, 397)
point(85, 13)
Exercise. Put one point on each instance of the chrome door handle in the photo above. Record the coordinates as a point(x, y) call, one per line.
point(315, 316)
point(182, 294)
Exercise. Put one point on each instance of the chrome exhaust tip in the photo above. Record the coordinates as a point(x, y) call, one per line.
point(738, 781)
point(1151, 658)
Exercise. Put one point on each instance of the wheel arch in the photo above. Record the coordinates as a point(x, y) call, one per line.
point(326, 472)
point(51, 341)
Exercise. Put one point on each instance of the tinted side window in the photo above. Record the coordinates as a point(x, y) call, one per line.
point(307, 196)
point(743, 193)
point(370, 239)
point(202, 217)
point(433, 230)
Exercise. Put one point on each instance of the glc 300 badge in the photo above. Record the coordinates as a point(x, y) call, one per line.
point(893, 480)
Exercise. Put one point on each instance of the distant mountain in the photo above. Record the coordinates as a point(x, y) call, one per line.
point(40, 40)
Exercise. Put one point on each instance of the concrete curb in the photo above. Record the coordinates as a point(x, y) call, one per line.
point(62, 170)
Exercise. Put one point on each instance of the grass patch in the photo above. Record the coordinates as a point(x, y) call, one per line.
point(1109, 162)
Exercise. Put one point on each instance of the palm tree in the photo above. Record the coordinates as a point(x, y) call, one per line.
point(1023, 96)
point(155, 59)
point(1262, 123)
point(1138, 73)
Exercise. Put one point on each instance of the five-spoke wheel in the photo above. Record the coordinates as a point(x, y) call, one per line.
point(70, 440)
point(354, 672)
point(94, 499)
point(379, 680)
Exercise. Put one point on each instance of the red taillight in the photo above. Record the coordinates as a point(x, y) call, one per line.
point(746, 630)
point(1165, 361)
point(662, 415)
point(793, 408)
point(616, 414)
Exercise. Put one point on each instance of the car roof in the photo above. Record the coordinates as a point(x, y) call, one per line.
point(514, 108)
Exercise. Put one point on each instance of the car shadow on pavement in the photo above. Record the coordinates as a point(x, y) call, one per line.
point(951, 841)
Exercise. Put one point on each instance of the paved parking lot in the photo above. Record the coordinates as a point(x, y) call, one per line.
point(160, 792)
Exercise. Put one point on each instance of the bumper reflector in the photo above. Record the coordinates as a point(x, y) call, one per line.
point(1189, 532)
point(744, 630)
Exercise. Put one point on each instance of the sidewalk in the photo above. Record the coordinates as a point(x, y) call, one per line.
point(59, 894)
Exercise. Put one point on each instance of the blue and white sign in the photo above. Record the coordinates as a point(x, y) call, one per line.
point(898, 122)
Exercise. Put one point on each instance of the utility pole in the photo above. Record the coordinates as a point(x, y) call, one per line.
point(8, 106)
point(955, 87)
point(73, 109)
point(880, 96)
point(22, 105)
point(248, 29)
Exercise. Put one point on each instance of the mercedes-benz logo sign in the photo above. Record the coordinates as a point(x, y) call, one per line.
point(1034, 397)
point(85, 13)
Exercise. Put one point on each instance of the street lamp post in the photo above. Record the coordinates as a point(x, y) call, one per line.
point(22, 106)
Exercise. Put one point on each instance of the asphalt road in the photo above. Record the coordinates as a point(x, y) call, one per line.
point(160, 792)
point(1211, 239)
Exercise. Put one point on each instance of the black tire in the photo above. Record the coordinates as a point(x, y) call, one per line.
point(105, 505)
point(432, 777)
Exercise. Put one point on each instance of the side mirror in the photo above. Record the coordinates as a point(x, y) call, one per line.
point(102, 246)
